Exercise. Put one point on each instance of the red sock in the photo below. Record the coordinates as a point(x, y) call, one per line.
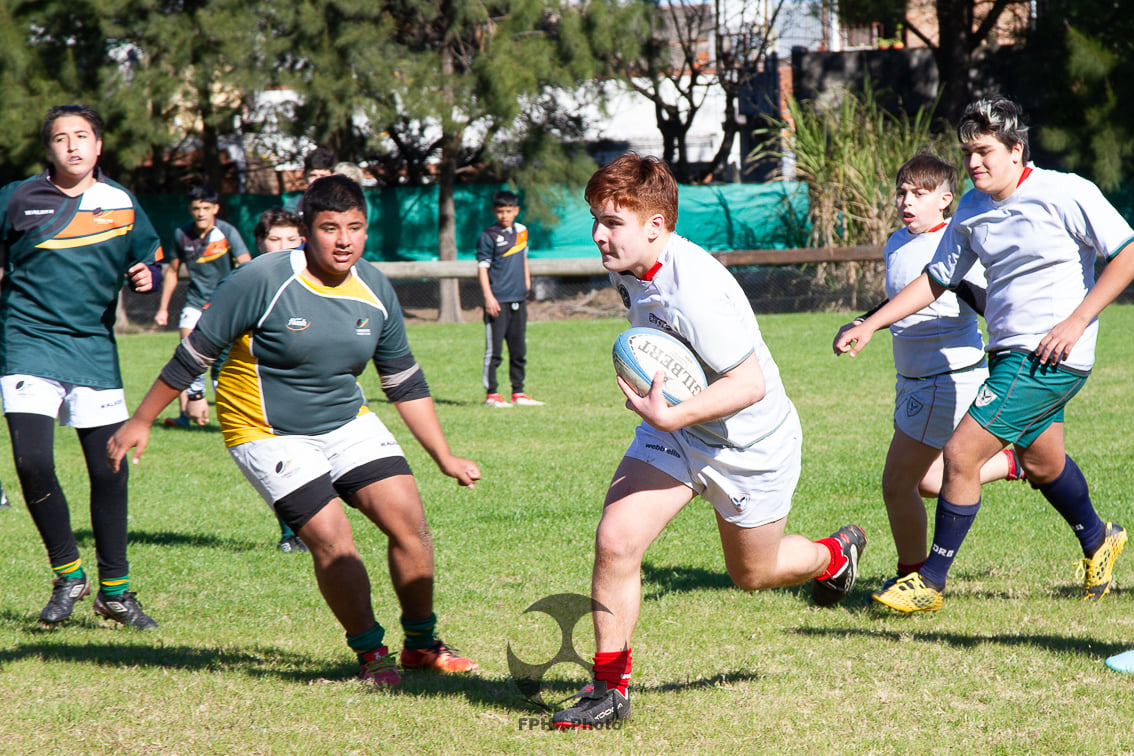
point(906, 569)
point(613, 668)
point(1015, 469)
point(838, 558)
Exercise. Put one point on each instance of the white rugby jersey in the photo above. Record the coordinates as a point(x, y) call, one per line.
point(1038, 248)
point(943, 337)
point(690, 295)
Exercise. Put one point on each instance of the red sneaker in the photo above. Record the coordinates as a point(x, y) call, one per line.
point(438, 657)
point(379, 669)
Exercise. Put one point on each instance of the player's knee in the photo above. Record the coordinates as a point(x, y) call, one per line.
point(613, 544)
point(750, 579)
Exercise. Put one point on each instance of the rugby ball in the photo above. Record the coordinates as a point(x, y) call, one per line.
point(639, 353)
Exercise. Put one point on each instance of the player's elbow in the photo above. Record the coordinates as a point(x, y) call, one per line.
point(751, 392)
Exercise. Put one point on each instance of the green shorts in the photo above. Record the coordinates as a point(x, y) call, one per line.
point(1021, 397)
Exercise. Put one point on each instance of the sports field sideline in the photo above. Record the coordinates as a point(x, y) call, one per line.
point(248, 659)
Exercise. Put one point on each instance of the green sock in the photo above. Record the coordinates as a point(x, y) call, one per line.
point(366, 642)
point(71, 570)
point(419, 633)
point(114, 586)
point(285, 531)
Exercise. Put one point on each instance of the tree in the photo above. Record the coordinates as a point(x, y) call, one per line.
point(185, 74)
point(1083, 53)
point(848, 153)
point(677, 54)
point(50, 53)
point(962, 36)
point(464, 74)
point(960, 41)
point(742, 45)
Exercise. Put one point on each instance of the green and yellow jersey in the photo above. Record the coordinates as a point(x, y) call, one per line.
point(298, 347)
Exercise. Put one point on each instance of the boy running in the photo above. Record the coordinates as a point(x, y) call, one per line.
point(939, 357)
point(302, 326)
point(210, 249)
point(69, 237)
point(736, 444)
point(1037, 233)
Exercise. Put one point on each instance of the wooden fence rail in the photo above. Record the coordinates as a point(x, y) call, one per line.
point(592, 266)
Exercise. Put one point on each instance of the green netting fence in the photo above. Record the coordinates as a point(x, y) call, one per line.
point(403, 220)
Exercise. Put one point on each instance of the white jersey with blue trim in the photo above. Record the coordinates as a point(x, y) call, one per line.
point(1038, 248)
point(691, 296)
point(940, 338)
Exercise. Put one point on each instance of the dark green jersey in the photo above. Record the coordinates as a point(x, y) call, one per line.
point(297, 347)
point(66, 259)
point(208, 257)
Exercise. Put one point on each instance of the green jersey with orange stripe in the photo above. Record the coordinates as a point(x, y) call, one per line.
point(208, 257)
point(298, 347)
point(65, 261)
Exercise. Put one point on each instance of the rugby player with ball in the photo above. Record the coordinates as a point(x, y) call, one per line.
point(736, 443)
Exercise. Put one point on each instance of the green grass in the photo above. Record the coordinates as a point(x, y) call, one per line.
point(249, 660)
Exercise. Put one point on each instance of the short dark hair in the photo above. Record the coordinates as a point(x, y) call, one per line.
point(274, 217)
point(335, 193)
point(319, 158)
point(999, 117)
point(204, 193)
point(61, 111)
point(505, 198)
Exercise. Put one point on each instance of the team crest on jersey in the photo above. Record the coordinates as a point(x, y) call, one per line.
point(625, 296)
point(984, 397)
point(739, 502)
point(360, 327)
point(913, 407)
point(298, 324)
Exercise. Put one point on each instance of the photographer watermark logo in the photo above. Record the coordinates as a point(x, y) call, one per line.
point(566, 609)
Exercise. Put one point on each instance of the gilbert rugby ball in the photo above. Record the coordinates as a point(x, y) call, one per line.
point(639, 353)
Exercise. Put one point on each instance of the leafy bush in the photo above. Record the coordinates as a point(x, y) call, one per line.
point(847, 148)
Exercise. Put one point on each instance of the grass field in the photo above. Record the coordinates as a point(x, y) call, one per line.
point(248, 659)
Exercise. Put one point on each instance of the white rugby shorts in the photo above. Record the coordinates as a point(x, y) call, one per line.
point(280, 465)
point(930, 409)
point(74, 406)
point(748, 487)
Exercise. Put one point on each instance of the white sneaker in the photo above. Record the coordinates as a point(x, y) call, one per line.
point(495, 400)
point(525, 401)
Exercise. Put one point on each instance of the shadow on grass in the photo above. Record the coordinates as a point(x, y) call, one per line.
point(558, 691)
point(658, 580)
point(85, 539)
point(134, 649)
point(212, 427)
point(1057, 643)
point(377, 401)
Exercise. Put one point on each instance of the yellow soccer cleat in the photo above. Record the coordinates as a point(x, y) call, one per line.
point(910, 594)
point(1097, 571)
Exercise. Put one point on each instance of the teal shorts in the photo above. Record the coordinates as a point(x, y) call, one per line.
point(1021, 397)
